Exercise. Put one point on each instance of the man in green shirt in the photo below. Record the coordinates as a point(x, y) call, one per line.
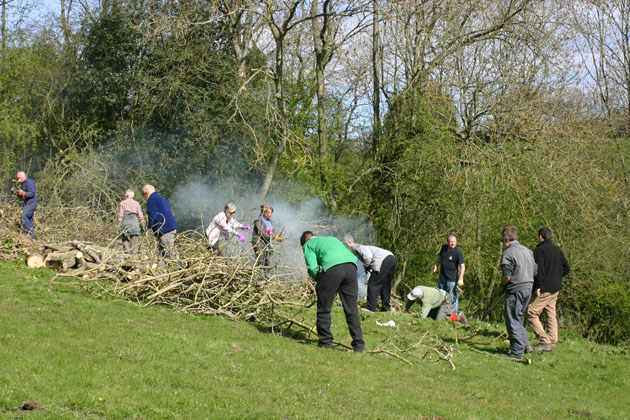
point(333, 267)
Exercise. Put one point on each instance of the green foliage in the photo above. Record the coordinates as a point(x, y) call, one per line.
point(601, 309)
point(410, 179)
point(24, 84)
point(113, 53)
point(429, 183)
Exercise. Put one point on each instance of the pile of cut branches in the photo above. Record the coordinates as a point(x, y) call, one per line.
point(197, 282)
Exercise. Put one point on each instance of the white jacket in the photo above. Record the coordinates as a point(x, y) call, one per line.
point(372, 257)
point(221, 225)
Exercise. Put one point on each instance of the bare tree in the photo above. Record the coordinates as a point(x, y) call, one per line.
point(604, 45)
point(3, 23)
point(239, 16)
point(328, 35)
point(280, 18)
point(377, 62)
point(428, 32)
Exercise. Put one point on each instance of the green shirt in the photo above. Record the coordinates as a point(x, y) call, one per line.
point(325, 252)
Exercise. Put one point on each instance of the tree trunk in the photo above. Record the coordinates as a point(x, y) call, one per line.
point(284, 119)
point(320, 64)
point(376, 79)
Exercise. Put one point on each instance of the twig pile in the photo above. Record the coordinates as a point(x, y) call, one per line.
point(198, 282)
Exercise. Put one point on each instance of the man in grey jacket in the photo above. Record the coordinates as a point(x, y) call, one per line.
point(519, 268)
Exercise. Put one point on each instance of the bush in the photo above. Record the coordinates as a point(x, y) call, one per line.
point(602, 308)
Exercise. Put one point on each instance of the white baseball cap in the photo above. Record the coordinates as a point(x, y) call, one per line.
point(415, 294)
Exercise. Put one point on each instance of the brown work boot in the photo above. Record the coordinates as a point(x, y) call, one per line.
point(543, 347)
point(529, 349)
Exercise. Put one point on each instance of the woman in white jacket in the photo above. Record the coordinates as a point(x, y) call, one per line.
point(224, 224)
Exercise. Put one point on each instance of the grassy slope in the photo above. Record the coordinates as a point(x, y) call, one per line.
point(81, 356)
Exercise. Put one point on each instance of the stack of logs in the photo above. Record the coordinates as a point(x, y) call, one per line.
point(85, 260)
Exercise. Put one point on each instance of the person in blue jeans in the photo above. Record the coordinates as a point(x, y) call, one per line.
point(519, 268)
point(451, 264)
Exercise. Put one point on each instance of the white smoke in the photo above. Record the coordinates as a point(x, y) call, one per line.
point(199, 202)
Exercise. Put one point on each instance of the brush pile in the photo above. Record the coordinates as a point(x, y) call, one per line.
point(198, 282)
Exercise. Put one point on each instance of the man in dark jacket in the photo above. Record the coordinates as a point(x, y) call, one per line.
point(161, 221)
point(334, 269)
point(29, 194)
point(552, 266)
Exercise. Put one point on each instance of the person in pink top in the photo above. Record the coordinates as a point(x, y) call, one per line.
point(224, 225)
point(130, 222)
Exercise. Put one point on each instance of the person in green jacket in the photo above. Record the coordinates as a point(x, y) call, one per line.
point(333, 267)
point(435, 303)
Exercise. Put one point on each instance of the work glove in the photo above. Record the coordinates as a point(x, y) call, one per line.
point(279, 238)
point(22, 193)
point(268, 231)
point(119, 229)
point(241, 237)
point(245, 227)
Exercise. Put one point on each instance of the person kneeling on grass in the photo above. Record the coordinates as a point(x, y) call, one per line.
point(435, 303)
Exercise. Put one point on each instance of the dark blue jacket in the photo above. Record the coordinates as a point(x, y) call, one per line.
point(28, 186)
point(161, 218)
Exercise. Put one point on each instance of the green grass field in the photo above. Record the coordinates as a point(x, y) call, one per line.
point(80, 355)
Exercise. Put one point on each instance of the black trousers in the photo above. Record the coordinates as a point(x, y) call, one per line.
point(340, 278)
point(380, 284)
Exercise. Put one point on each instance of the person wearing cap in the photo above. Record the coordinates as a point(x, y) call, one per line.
point(552, 267)
point(333, 267)
point(381, 264)
point(161, 221)
point(518, 268)
point(451, 265)
point(224, 224)
point(435, 303)
point(28, 193)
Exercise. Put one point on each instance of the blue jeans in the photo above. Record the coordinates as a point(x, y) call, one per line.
point(27, 217)
point(450, 287)
point(515, 305)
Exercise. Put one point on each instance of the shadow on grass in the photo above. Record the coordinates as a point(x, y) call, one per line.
point(302, 336)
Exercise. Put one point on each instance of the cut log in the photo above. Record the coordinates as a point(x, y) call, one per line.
point(58, 248)
point(34, 260)
point(62, 261)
